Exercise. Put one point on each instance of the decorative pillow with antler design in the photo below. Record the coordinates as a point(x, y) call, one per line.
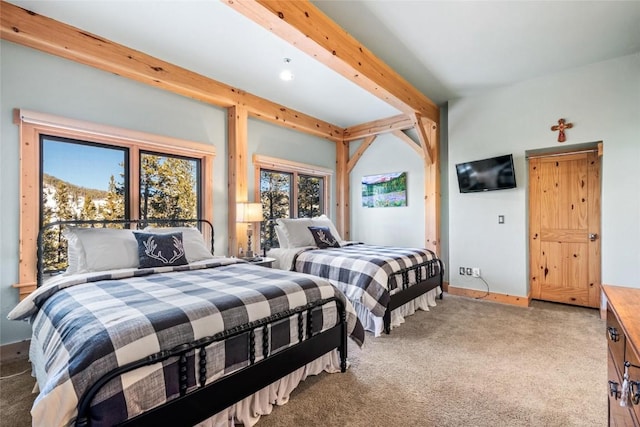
point(160, 250)
point(323, 237)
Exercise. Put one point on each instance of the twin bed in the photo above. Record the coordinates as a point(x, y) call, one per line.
point(147, 327)
point(384, 284)
point(170, 339)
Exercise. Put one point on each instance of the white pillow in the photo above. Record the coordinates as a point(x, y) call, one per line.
point(192, 239)
point(324, 221)
point(282, 237)
point(297, 232)
point(105, 248)
point(76, 260)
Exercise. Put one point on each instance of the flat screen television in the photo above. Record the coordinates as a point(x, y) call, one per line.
point(496, 173)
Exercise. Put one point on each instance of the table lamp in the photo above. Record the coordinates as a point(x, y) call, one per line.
point(249, 213)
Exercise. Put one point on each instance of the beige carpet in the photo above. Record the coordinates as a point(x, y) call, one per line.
point(464, 363)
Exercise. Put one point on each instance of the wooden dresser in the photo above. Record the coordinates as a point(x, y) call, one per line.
point(623, 337)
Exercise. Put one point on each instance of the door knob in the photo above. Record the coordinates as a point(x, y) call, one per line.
point(593, 237)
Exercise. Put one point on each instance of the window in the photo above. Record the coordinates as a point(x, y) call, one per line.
point(88, 181)
point(78, 180)
point(288, 190)
point(83, 170)
point(169, 186)
point(310, 196)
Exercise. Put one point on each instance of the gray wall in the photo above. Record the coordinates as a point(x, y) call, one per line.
point(271, 140)
point(44, 83)
point(602, 100)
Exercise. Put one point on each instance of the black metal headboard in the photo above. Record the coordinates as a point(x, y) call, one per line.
point(205, 227)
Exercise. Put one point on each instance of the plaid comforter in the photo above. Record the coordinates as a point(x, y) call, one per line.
point(84, 327)
point(362, 271)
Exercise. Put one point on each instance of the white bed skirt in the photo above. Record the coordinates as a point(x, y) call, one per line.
point(375, 324)
point(249, 410)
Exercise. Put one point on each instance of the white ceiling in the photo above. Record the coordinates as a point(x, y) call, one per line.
point(446, 49)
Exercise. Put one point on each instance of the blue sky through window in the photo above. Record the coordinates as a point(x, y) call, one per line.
point(83, 165)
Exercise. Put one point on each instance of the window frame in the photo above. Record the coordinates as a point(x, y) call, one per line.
point(32, 125)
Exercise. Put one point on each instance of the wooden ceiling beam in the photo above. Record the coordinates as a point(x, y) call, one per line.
point(27, 28)
point(306, 27)
point(376, 127)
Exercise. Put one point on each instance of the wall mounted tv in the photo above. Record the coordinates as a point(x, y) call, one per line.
point(496, 173)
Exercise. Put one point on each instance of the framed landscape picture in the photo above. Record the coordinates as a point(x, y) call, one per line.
point(384, 190)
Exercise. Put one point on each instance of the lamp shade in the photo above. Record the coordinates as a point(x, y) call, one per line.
point(248, 212)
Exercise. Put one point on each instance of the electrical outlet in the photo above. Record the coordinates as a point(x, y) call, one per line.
point(462, 271)
point(469, 271)
point(476, 272)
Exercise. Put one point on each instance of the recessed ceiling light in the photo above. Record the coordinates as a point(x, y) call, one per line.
point(286, 75)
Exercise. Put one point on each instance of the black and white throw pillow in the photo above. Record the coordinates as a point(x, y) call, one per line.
point(323, 237)
point(159, 250)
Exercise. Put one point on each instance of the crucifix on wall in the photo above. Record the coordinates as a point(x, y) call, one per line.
point(561, 126)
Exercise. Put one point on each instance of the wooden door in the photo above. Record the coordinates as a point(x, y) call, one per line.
point(564, 228)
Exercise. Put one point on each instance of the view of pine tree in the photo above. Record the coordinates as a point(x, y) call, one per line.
point(275, 195)
point(309, 196)
point(64, 202)
point(89, 210)
point(114, 201)
point(168, 187)
point(55, 258)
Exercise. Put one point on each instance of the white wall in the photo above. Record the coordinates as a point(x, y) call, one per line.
point(395, 226)
point(44, 83)
point(603, 102)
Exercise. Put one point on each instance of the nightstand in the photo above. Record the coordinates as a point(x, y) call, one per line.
point(263, 262)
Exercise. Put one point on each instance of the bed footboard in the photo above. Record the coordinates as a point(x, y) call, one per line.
point(414, 281)
point(207, 400)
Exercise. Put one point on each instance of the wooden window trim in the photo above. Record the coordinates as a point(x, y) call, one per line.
point(34, 124)
point(295, 168)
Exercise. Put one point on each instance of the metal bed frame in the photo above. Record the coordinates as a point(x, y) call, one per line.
point(192, 407)
point(207, 400)
point(408, 292)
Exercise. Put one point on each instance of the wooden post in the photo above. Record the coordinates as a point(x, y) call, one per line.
point(342, 189)
point(237, 122)
point(432, 186)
